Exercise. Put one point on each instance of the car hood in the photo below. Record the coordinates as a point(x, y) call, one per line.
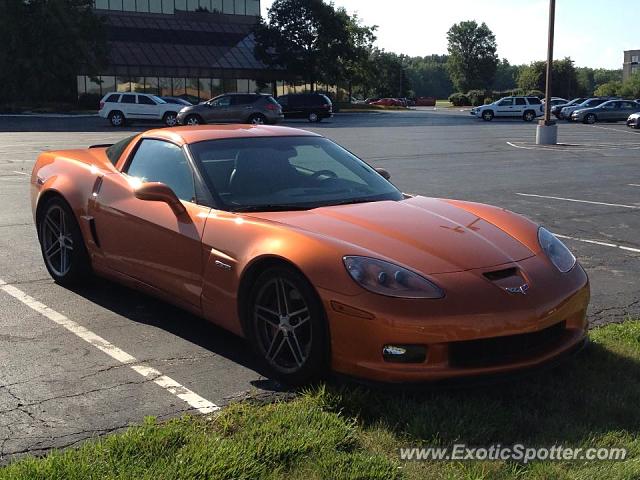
point(428, 235)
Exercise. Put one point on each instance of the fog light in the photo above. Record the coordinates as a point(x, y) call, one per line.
point(404, 353)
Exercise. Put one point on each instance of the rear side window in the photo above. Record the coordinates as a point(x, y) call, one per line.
point(113, 98)
point(534, 101)
point(114, 152)
point(128, 99)
point(243, 99)
point(520, 101)
point(145, 100)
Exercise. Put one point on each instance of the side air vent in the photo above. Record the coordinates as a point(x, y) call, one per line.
point(501, 274)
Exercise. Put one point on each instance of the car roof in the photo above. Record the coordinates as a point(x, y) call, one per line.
point(201, 133)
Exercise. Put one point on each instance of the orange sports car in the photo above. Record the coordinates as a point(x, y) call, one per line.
point(283, 237)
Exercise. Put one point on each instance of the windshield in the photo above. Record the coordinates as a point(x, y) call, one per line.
point(287, 173)
point(158, 99)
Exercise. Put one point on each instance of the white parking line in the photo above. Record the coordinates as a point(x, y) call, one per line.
point(614, 129)
point(19, 173)
point(596, 242)
point(169, 384)
point(634, 185)
point(634, 207)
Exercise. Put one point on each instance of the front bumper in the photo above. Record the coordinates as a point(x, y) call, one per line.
point(633, 122)
point(485, 332)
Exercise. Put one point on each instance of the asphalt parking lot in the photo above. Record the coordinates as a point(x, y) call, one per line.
point(57, 389)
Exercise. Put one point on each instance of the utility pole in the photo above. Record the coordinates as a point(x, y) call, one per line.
point(547, 131)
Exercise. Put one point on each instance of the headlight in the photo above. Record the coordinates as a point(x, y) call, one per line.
point(557, 252)
point(388, 279)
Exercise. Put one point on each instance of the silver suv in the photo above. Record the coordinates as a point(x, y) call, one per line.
point(526, 108)
point(252, 108)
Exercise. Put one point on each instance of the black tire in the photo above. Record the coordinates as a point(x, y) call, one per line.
point(487, 115)
point(590, 118)
point(529, 116)
point(117, 118)
point(193, 119)
point(294, 349)
point(257, 119)
point(170, 119)
point(77, 266)
point(313, 117)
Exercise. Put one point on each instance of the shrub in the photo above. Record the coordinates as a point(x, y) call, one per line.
point(89, 100)
point(488, 100)
point(459, 100)
point(476, 97)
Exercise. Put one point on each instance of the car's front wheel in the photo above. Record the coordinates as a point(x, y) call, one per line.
point(487, 115)
point(286, 325)
point(590, 119)
point(61, 243)
point(193, 120)
point(170, 119)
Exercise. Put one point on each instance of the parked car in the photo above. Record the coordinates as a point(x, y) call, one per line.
point(389, 102)
point(369, 101)
point(252, 108)
point(556, 110)
point(611, 111)
point(527, 108)
point(425, 102)
point(313, 106)
point(556, 101)
point(634, 119)
point(120, 108)
point(177, 101)
point(311, 255)
point(566, 112)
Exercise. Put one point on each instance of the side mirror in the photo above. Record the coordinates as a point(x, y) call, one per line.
point(159, 192)
point(384, 173)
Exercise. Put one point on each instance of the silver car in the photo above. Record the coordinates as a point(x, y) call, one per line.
point(634, 119)
point(611, 111)
point(251, 108)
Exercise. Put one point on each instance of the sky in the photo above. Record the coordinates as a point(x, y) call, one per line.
point(594, 33)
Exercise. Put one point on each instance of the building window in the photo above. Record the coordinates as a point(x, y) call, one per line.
point(155, 6)
point(634, 58)
point(108, 84)
point(178, 86)
point(253, 7)
point(82, 87)
point(634, 69)
point(164, 87)
point(103, 4)
point(191, 85)
point(115, 4)
point(204, 88)
point(227, 6)
point(168, 6)
point(123, 84)
point(142, 6)
point(205, 5)
point(240, 8)
point(151, 85)
point(192, 5)
point(216, 6)
point(129, 5)
point(137, 84)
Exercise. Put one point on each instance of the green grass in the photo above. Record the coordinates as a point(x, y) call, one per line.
point(345, 432)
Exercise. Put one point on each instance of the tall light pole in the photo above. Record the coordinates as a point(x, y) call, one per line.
point(547, 131)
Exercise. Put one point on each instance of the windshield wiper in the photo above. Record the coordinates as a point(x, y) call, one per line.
point(276, 207)
point(352, 201)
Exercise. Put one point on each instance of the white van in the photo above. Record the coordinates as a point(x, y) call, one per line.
point(120, 107)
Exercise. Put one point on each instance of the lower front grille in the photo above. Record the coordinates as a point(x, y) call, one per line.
point(500, 350)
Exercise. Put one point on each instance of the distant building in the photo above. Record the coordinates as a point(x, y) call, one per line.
point(631, 63)
point(195, 48)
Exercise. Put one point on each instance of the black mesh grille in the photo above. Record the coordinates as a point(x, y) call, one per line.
point(500, 350)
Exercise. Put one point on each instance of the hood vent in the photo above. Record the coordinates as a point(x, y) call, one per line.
point(501, 274)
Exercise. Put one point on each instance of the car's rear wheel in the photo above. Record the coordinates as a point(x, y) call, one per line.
point(529, 116)
point(61, 243)
point(116, 118)
point(193, 120)
point(287, 327)
point(590, 118)
point(487, 115)
point(170, 119)
point(314, 117)
point(257, 119)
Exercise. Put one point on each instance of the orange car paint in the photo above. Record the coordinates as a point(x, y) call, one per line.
point(198, 261)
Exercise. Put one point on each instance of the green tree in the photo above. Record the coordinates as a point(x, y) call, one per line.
point(47, 43)
point(386, 75)
point(429, 76)
point(472, 59)
point(564, 81)
point(312, 40)
point(506, 76)
point(631, 88)
point(608, 89)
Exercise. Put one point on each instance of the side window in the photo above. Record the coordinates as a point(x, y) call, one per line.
point(113, 98)
point(534, 101)
point(284, 100)
point(243, 99)
point(520, 101)
point(507, 102)
point(222, 102)
point(128, 99)
point(145, 100)
point(160, 161)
